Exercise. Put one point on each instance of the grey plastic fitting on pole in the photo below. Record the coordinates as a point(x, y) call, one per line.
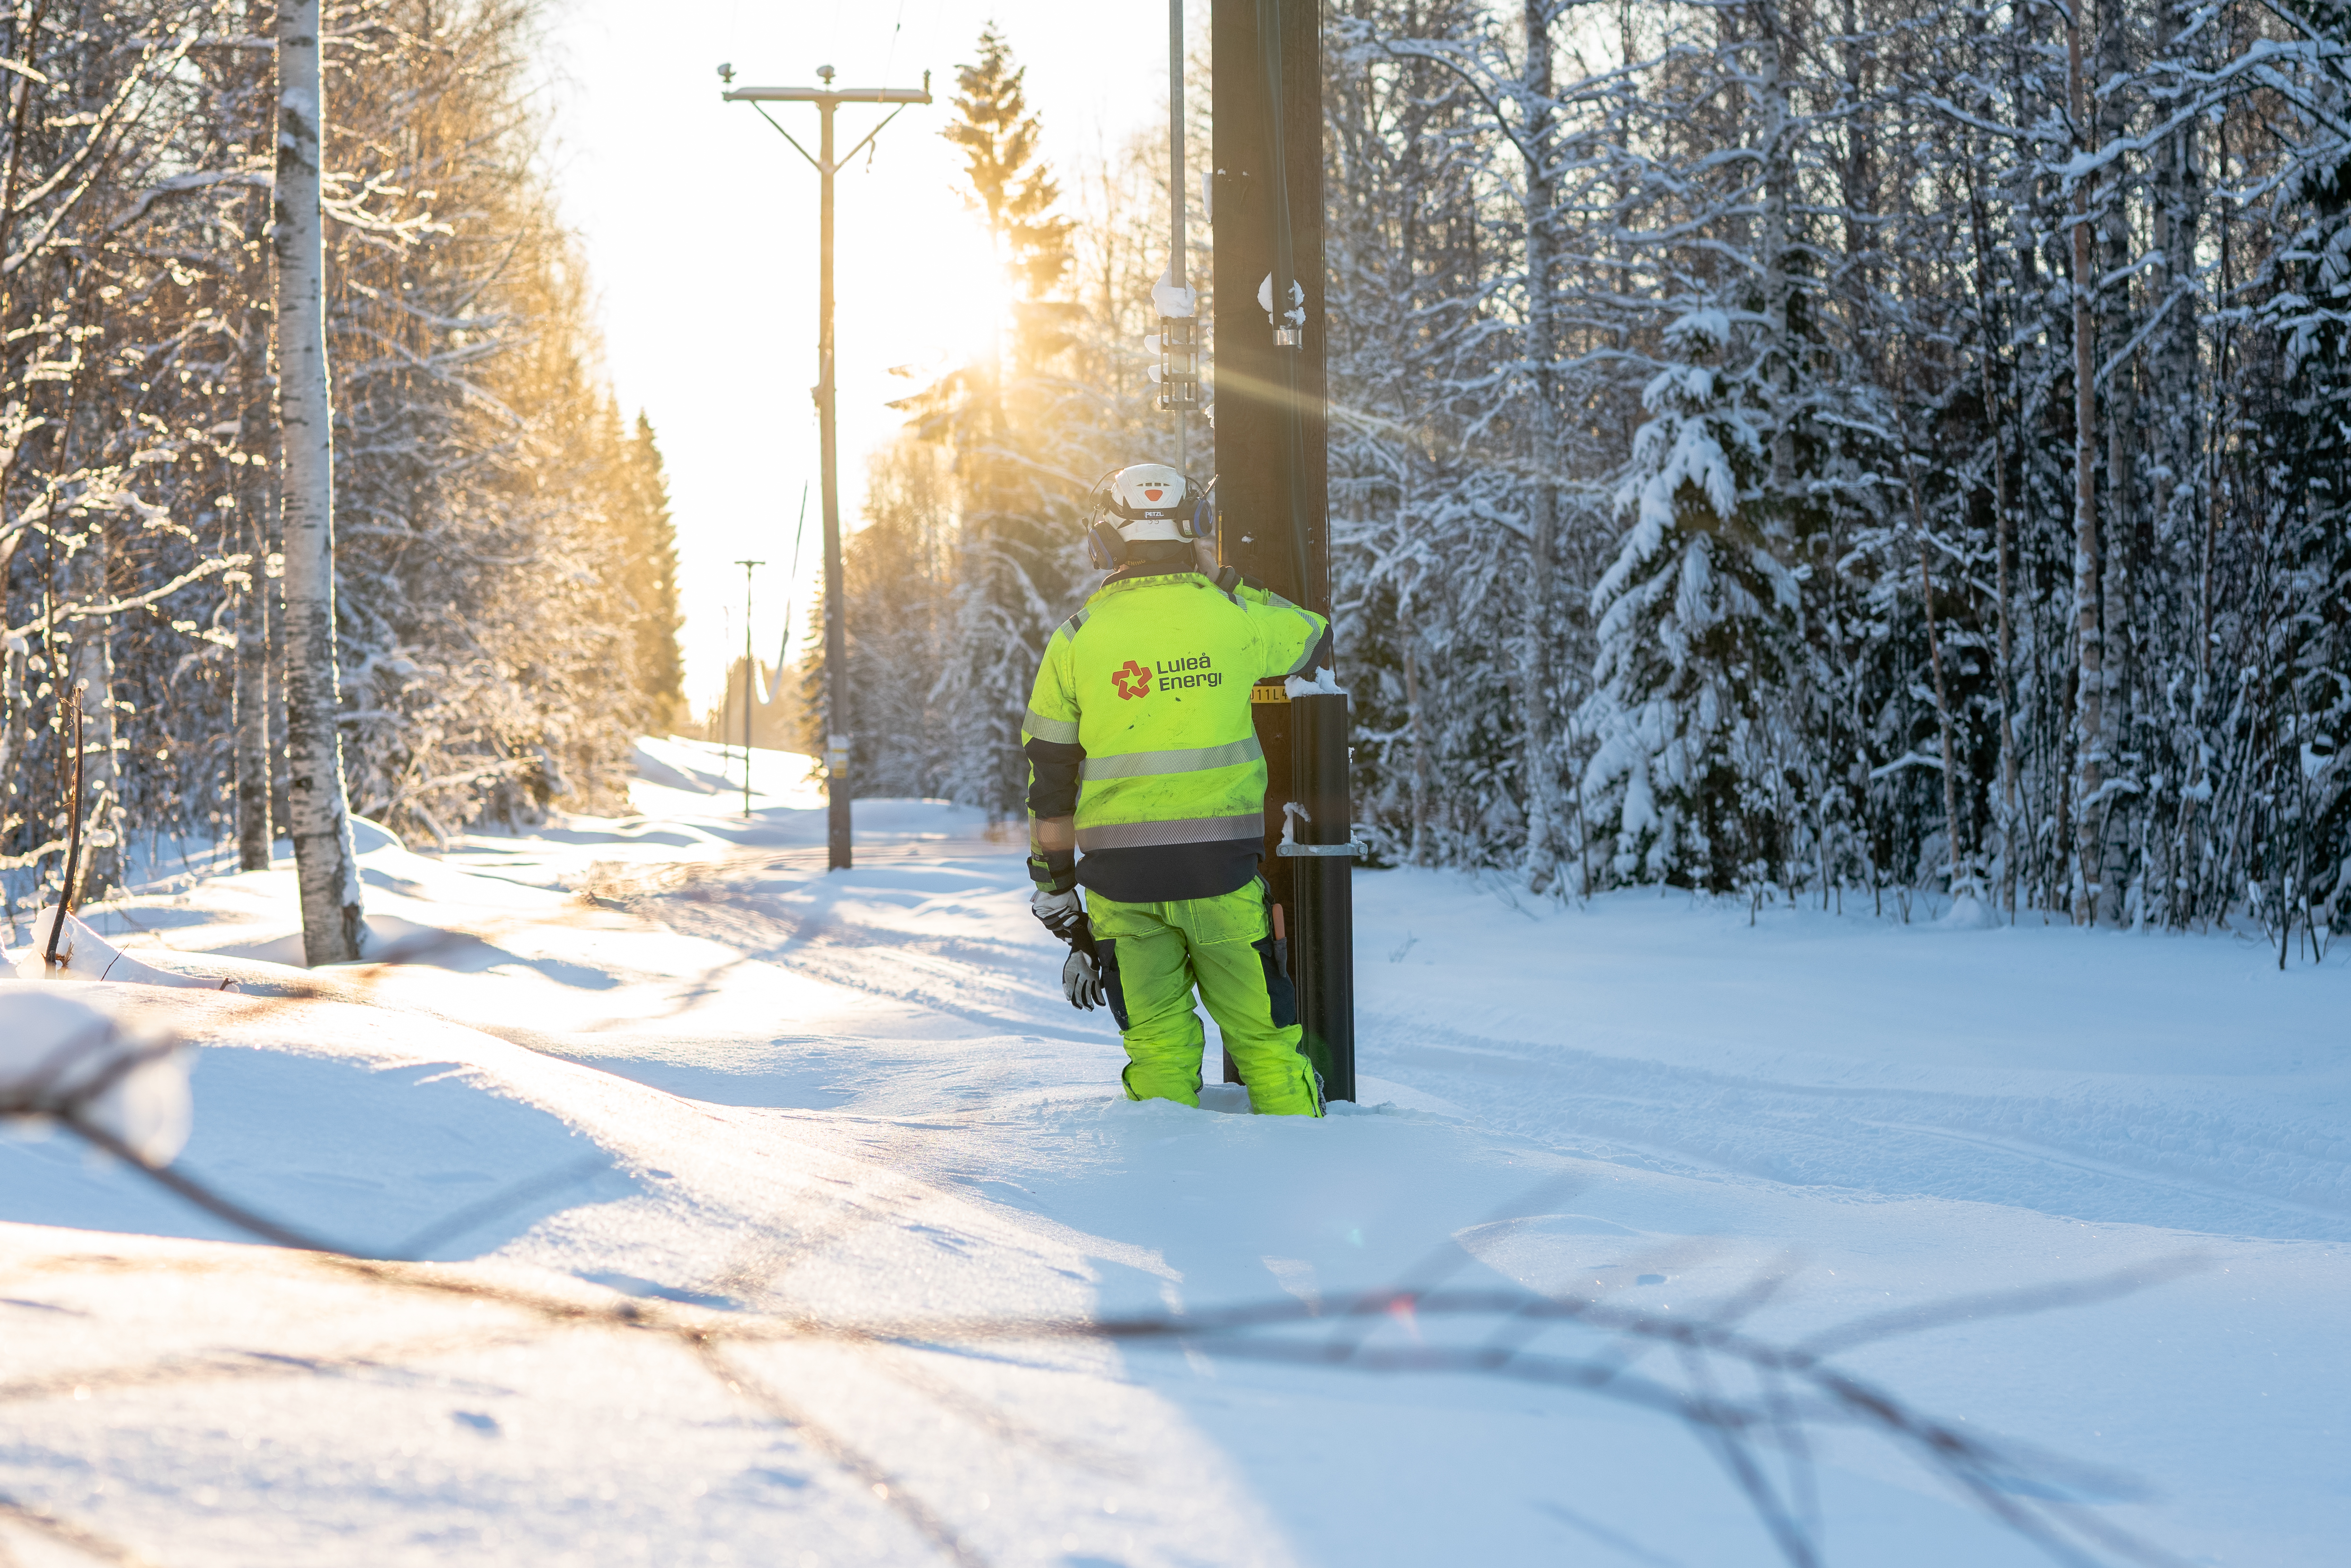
point(1325, 924)
point(1176, 141)
point(1178, 392)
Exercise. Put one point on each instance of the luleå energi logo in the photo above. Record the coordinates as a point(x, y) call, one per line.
point(1132, 681)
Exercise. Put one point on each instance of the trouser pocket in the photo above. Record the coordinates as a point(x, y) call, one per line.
point(1106, 960)
point(1281, 995)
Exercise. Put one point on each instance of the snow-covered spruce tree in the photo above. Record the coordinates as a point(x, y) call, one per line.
point(1760, 450)
point(1026, 429)
point(641, 581)
point(1698, 628)
point(494, 516)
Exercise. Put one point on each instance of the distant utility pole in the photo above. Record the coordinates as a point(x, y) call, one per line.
point(750, 677)
point(836, 630)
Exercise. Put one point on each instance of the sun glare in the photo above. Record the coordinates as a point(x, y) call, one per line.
point(957, 301)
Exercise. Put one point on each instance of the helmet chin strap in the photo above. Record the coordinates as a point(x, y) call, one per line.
point(1109, 550)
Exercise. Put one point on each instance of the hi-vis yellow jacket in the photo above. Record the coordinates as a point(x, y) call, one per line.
point(1139, 723)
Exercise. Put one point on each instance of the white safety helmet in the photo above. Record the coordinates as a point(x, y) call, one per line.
point(1144, 501)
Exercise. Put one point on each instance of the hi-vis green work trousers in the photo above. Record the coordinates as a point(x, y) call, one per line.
point(1153, 954)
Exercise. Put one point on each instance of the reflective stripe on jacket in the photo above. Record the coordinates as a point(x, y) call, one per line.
point(1139, 725)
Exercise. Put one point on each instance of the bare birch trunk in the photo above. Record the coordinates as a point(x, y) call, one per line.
point(1419, 748)
point(255, 838)
point(1778, 284)
point(12, 653)
point(2089, 733)
point(1943, 691)
point(91, 673)
point(273, 521)
point(1779, 189)
point(2178, 373)
point(1541, 631)
point(2004, 680)
point(2119, 655)
point(319, 811)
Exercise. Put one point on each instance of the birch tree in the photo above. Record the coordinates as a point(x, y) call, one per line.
point(325, 864)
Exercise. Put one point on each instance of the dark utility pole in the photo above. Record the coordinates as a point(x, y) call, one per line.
point(836, 630)
point(1272, 471)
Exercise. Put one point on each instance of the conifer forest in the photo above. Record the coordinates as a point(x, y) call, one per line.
point(1797, 450)
point(1807, 450)
point(1754, 784)
point(506, 609)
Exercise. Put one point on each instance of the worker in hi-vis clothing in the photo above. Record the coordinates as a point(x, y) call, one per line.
point(1143, 756)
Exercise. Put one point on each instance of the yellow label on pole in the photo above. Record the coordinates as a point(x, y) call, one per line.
point(1278, 693)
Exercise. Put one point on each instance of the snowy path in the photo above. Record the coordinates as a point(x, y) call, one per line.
point(671, 1062)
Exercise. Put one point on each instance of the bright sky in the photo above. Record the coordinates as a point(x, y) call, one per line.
point(700, 225)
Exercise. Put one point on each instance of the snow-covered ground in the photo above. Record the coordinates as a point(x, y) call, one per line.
point(692, 1131)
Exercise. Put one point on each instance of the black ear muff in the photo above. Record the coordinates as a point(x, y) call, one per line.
point(1202, 523)
point(1105, 547)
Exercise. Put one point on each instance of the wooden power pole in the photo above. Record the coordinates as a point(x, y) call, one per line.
point(1273, 472)
point(827, 99)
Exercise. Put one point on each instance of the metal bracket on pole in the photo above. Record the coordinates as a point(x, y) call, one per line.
point(1292, 815)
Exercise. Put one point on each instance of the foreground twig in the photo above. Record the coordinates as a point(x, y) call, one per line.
point(73, 840)
point(66, 1533)
point(1795, 1389)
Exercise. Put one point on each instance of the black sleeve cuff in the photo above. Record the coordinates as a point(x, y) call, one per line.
point(1055, 868)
